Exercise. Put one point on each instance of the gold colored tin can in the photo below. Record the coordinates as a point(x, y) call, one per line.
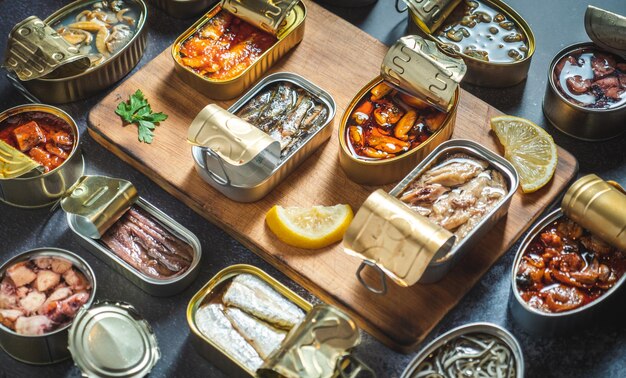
point(599, 206)
point(426, 18)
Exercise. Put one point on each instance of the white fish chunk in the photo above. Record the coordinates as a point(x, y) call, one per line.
point(263, 337)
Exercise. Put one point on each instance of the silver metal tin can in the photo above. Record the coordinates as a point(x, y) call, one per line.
point(44, 189)
point(256, 191)
point(183, 8)
point(544, 323)
point(50, 347)
point(152, 286)
point(488, 328)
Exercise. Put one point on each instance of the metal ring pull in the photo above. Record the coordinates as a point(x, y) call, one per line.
point(351, 367)
point(383, 281)
point(224, 181)
point(398, 7)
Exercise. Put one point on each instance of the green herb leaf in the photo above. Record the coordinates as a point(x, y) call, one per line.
point(137, 110)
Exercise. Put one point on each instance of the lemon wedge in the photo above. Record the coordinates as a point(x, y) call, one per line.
point(529, 148)
point(311, 228)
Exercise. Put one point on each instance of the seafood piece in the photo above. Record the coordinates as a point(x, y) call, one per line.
point(455, 171)
point(8, 317)
point(259, 299)
point(28, 136)
point(64, 310)
point(120, 35)
point(20, 274)
point(44, 158)
point(54, 150)
point(46, 279)
point(283, 100)
point(363, 112)
point(92, 26)
point(428, 193)
point(59, 294)
point(387, 113)
point(101, 40)
point(414, 102)
point(121, 18)
point(380, 91)
point(76, 280)
point(216, 26)
point(294, 120)
point(253, 109)
point(33, 325)
point(405, 124)
point(32, 302)
point(356, 135)
point(75, 36)
point(264, 338)
point(214, 324)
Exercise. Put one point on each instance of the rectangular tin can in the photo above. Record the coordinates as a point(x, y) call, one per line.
point(152, 286)
point(289, 163)
point(92, 81)
point(211, 291)
point(183, 8)
point(439, 268)
point(288, 37)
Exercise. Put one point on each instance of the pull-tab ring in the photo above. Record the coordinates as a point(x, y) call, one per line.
point(349, 366)
point(383, 281)
point(398, 7)
point(224, 181)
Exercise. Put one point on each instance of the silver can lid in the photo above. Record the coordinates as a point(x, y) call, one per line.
point(111, 339)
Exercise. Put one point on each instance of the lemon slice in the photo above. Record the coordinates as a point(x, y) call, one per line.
point(529, 148)
point(311, 228)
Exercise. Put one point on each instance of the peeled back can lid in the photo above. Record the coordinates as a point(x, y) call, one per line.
point(111, 339)
point(431, 14)
point(606, 29)
point(264, 14)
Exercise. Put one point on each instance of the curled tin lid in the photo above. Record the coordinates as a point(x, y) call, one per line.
point(397, 240)
point(236, 153)
point(264, 14)
point(606, 29)
point(598, 206)
point(34, 50)
point(418, 67)
point(431, 13)
point(13, 163)
point(317, 348)
point(111, 339)
point(98, 202)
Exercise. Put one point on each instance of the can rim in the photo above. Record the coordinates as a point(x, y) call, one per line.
point(53, 251)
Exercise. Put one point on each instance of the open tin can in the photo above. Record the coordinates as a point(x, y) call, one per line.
point(469, 353)
point(36, 188)
point(281, 21)
point(465, 27)
point(412, 247)
point(240, 160)
point(586, 99)
point(183, 8)
point(49, 347)
point(318, 345)
point(38, 66)
point(95, 207)
point(401, 116)
point(591, 208)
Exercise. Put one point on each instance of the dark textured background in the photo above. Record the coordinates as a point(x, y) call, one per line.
point(596, 350)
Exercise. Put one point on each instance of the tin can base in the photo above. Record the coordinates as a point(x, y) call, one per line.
point(556, 126)
point(36, 363)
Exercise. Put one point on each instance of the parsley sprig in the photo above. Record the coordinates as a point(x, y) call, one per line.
point(137, 110)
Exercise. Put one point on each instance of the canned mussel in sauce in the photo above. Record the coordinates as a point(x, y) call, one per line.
point(266, 330)
point(434, 216)
point(248, 150)
point(472, 350)
point(495, 42)
point(401, 116)
point(132, 236)
point(40, 157)
point(230, 47)
point(77, 51)
point(41, 291)
point(586, 92)
point(570, 266)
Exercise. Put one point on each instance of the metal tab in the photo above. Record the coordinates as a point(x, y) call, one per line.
point(397, 239)
point(264, 14)
point(606, 29)
point(598, 206)
point(98, 202)
point(418, 67)
point(430, 14)
point(316, 347)
point(35, 50)
point(13, 163)
point(236, 152)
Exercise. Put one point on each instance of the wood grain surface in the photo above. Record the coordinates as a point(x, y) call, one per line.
point(341, 59)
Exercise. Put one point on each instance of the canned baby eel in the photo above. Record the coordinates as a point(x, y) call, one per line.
point(110, 51)
point(455, 25)
point(275, 29)
point(264, 329)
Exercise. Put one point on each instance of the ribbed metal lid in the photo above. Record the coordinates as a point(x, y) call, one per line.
point(606, 29)
point(111, 339)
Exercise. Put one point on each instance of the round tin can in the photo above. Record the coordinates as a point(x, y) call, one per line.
point(44, 189)
point(50, 347)
point(590, 124)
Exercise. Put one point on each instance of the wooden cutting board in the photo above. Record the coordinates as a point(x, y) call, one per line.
point(341, 59)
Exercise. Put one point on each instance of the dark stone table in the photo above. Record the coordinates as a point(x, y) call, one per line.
point(597, 350)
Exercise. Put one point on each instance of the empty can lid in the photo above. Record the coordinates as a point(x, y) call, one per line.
point(112, 340)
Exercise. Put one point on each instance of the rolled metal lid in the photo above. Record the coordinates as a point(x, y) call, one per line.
point(606, 29)
point(35, 50)
point(394, 238)
point(98, 202)
point(111, 339)
point(418, 67)
point(13, 163)
point(598, 206)
point(267, 15)
point(430, 14)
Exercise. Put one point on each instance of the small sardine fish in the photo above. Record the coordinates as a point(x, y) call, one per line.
point(251, 111)
point(259, 299)
point(214, 324)
point(263, 337)
point(275, 111)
